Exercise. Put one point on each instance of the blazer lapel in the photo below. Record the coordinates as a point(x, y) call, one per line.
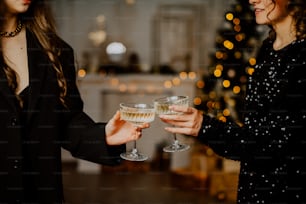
point(37, 62)
point(6, 92)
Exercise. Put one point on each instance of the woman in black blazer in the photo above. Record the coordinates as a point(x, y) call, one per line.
point(41, 109)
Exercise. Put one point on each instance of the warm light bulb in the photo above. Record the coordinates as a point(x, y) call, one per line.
point(82, 73)
point(183, 75)
point(192, 75)
point(252, 61)
point(226, 112)
point(236, 21)
point(226, 83)
point(229, 16)
point(250, 70)
point(217, 73)
point(228, 44)
point(197, 101)
point(219, 55)
point(168, 84)
point(200, 84)
point(219, 67)
point(236, 89)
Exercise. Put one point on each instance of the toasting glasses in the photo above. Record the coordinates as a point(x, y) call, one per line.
point(137, 114)
point(162, 108)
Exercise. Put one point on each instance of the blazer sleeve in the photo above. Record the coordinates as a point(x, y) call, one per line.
point(83, 137)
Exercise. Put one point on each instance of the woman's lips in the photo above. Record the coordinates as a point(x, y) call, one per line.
point(26, 1)
point(257, 10)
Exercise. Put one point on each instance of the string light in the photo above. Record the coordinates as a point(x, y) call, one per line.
point(229, 16)
point(231, 73)
point(236, 89)
point(238, 55)
point(217, 73)
point(226, 83)
point(219, 67)
point(183, 75)
point(212, 94)
point(82, 73)
point(239, 37)
point(252, 61)
point(250, 70)
point(122, 88)
point(200, 84)
point(222, 118)
point(236, 21)
point(197, 101)
point(176, 81)
point(228, 44)
point(192, 75)
point(168, 84)
point(226, 112)
point(237, 28)
point(219, 55)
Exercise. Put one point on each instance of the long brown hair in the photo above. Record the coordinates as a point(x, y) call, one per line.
point(39, 20)
point(297, 9)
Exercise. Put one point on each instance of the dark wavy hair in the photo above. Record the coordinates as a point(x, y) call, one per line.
point(40, 21)
point(297, 9)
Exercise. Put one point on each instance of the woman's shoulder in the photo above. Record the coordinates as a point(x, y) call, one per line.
point(297, 51)
point(65, 50)
point(56, 41)
point(302, 45)
point(64, 45)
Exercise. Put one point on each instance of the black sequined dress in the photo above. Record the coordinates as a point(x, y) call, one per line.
point(271, 145)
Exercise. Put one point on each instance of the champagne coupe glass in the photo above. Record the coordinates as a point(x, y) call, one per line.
point(137, 114)
point(162, 108)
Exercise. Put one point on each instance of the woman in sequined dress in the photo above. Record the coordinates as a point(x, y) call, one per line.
point(271, 144)
point(41, 110)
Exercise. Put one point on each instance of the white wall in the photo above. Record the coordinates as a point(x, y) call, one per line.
point(129, 24)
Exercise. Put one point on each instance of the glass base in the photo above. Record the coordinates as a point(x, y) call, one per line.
point(176, 147)
point(133, 156)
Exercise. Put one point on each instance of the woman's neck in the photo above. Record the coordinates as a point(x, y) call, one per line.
point(9, 24)
point(285, 33)
point(11, 28)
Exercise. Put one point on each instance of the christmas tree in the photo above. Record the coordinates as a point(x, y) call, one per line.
point(222, 88)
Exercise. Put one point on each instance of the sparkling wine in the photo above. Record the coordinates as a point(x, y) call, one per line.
point(163, 109)
point(162, 105)
point(137, 117)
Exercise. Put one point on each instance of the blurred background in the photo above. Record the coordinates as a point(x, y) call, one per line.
point(138, 50)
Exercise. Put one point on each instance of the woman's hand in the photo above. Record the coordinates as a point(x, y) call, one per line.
point(120, 132)
point(188, 122)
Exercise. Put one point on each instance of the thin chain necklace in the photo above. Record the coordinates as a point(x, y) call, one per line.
point(14, 33)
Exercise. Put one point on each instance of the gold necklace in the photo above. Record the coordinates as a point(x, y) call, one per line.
point(14, 33)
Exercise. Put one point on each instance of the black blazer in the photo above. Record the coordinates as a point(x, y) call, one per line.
point(48, 127)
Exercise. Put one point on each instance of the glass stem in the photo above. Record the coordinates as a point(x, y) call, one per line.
point(174, 136)
point(134, 151)
point(175, 142)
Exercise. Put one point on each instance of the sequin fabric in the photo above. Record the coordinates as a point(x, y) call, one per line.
point(271, 145)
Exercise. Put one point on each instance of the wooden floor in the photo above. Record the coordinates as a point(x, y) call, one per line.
point(130, 187)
